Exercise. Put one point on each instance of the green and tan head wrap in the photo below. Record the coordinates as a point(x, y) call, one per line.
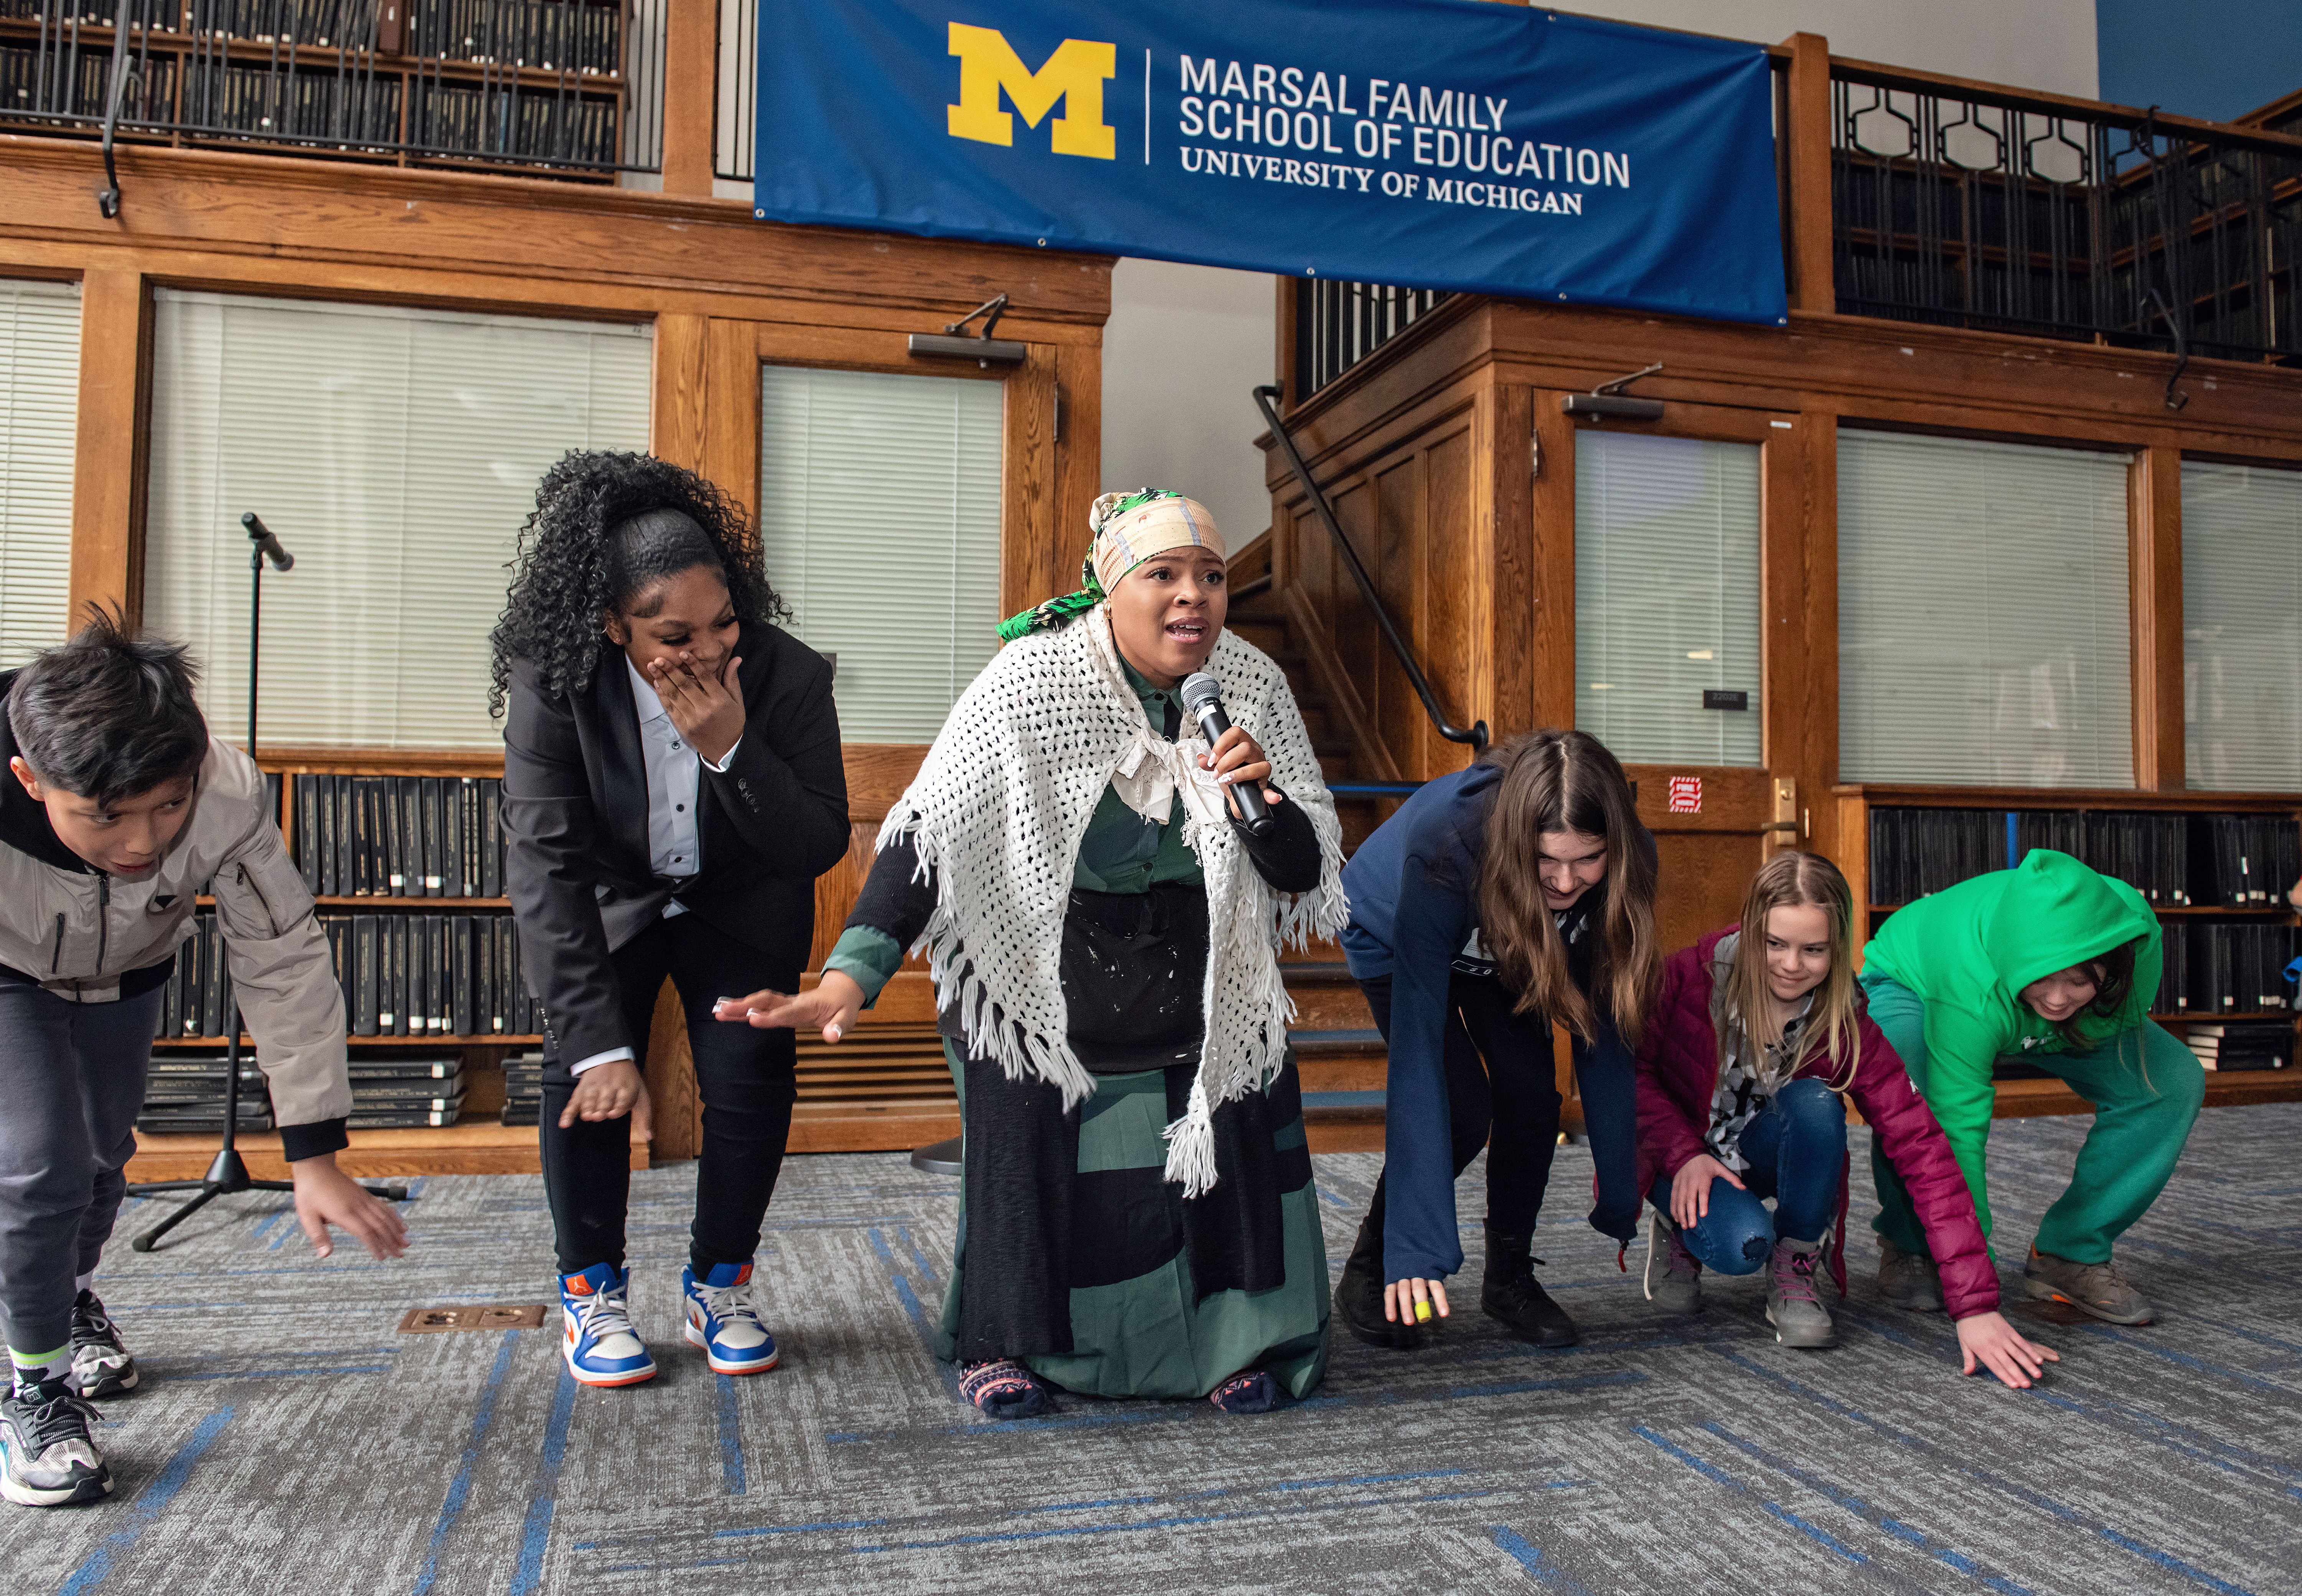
point(1128, 529)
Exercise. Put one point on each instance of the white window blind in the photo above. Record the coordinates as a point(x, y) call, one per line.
point(396, 453)
point(1982, 614)
point(879, 512)
point(2241, 627)
point(1667, 596)
point(40, 402)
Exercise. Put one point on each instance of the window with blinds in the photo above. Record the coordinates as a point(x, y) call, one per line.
point(1982, 614)
point(395, 452)
point(879, 512)
point(40, 402)
point(1667, 597)
point(2241, 627)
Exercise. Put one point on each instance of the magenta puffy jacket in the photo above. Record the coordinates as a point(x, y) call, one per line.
point(1678, 1076)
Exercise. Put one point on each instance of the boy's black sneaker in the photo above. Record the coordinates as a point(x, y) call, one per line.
point(1511, 1294)
point(50, 1459)
point(1358, 1298)
point(100, 1366)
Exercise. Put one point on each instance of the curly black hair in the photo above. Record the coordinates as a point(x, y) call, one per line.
point(566, 572)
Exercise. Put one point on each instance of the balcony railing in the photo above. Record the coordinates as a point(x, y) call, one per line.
point(561, 87)
point(2002, 212)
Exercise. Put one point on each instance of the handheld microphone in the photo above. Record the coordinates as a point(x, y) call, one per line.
point(1201, 697)
point(269, 546)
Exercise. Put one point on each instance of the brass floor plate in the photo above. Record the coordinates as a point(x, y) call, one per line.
point(424, 1322)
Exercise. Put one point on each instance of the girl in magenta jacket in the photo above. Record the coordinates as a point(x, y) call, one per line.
point(1756, 1038)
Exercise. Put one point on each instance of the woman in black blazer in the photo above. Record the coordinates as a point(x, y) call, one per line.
point(672, 787)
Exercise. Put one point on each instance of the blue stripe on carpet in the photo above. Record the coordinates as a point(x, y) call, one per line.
point(149, 1504)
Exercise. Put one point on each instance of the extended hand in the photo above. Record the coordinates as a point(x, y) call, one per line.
point(708, 710)
point(1408, 1300)
point(1237, 757)
point(1989, 1339)
point(1690, 1188)
point(325, 1196)
point(831, 1007)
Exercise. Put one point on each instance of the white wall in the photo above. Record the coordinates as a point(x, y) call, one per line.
point(1185, 343)
point(1183, 348)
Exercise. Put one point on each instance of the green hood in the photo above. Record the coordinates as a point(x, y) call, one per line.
point(1978, 945)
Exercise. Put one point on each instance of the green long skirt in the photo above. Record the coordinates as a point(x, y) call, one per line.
point(1146, 1335)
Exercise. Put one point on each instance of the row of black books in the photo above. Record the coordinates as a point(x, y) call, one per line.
point(399, 1093)
point(402, 975)
point(358, 109)
point(2174, 860)
point(35, 84)
point(2258, 1044)
point(400, 836)
point(550, 34)
point(2222, 967)
point(184, 1094)
point(431, 975)
point(522, 1103)
point(537, 124)
point(580, 35)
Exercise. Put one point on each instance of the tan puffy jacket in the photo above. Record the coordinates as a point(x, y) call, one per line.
point(77, 934)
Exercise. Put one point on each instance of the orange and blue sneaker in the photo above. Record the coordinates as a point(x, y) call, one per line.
point(723, 1320)
point(602, 1347)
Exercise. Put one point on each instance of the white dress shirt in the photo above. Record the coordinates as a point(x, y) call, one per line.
point(675, 779)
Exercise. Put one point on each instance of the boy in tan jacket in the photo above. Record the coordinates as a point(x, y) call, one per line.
point(118, 811)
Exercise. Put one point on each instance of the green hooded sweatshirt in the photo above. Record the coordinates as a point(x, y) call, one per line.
point(1969, 952)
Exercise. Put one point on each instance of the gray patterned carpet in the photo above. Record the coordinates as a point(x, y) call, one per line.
point(288, 1440)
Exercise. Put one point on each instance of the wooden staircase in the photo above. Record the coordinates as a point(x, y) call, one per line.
point(1338, 1051)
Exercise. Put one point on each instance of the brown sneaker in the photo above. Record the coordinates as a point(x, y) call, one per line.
point(1672, 1282)
point(2096, 1288)
point(1908, 1281)
point(1793, 1308)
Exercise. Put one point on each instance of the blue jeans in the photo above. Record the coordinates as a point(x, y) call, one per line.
point(1796, 1150)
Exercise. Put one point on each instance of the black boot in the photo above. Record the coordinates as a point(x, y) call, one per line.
point(1358, 1295)
point(1511, 1294)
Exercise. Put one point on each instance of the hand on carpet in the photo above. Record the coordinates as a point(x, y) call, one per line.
point(325, 1196)
point(1412, 1301)
point(1988, 1338)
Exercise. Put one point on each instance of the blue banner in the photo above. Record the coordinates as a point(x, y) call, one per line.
point(1444, 143)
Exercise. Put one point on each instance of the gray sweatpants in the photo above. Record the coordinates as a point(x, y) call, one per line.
point(71, 1081)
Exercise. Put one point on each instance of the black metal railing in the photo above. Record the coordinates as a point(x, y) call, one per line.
point(567, 88)
point(1266, 399)
point(1339, 324)
point(2005, 212)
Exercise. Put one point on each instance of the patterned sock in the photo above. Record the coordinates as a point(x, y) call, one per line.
point(32, 1367)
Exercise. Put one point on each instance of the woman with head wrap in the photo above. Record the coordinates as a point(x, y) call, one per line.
point(673, 785)
point(1103, 929)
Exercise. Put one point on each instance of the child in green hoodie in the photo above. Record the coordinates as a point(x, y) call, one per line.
point(2054, 964)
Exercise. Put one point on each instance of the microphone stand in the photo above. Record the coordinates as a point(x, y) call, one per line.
point(228, 1175)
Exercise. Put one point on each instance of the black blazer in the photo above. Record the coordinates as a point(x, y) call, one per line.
point(576, 818)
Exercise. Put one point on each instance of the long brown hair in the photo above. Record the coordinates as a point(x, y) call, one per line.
point(1790, 880)
point(1566, 781)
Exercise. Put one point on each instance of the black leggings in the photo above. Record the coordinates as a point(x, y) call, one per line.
point(1502, 1078)
point(745, 1076)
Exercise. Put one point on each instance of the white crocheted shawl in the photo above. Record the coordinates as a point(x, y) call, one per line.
point(999, 809)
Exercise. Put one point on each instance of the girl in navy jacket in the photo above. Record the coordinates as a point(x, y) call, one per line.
point(1497, 900)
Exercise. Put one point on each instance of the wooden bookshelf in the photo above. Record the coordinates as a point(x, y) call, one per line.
point(2022, 1098)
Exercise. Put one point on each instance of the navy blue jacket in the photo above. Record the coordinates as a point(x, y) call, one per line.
point(1414, 891)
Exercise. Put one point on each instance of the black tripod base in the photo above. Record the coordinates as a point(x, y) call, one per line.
point(227, 1177)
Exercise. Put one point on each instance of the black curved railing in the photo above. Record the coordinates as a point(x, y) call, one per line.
point(1476, 737)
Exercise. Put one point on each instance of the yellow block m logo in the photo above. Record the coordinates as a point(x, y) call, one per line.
point(1075, 74)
